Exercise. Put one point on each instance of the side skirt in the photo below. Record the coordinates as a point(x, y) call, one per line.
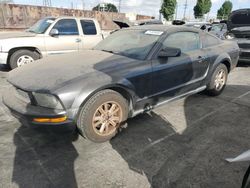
point(167, 101)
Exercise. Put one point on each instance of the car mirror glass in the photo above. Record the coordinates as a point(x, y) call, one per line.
point(54, 32)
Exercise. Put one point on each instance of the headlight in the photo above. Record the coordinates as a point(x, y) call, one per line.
point(229, 36)
point(47, 100)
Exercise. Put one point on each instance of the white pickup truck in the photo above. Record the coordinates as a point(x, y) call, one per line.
point(47, 37)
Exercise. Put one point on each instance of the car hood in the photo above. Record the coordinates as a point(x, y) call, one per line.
point(54, 72)
point(239, 23)
point(8, 35)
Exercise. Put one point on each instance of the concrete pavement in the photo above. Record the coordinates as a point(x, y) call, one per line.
point(181, 144)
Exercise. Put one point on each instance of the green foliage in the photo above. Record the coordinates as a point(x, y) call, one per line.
point(109, 7)
point(225, 10)
point(202, 7)
point(168, 9)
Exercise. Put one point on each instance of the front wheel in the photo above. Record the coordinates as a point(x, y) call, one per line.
point(102, 115)
point(218, 80)
point(22, 57)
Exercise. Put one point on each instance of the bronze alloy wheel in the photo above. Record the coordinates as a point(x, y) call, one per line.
point(220, 80)
point(107, 118)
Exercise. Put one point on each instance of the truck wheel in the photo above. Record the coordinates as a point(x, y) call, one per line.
point(218, 80)
point(101, 116)
point(22, 57)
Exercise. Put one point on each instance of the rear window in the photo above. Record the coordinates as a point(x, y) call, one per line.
point(241, 18)
point(88, 27)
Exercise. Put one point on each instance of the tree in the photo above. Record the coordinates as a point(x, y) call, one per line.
point(168, 9)
point(202, 7)
point(225, 10)
point(107, 7)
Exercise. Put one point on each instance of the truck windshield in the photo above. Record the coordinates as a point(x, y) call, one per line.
point(130, 43)
point(41, 26)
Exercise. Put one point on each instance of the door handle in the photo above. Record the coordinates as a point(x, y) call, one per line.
point(78, 40)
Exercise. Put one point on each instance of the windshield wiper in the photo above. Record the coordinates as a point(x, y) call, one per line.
point(31, 31)
point(109, 51)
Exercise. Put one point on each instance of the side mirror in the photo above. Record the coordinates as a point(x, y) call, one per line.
point(54, 32)
point(169, 52)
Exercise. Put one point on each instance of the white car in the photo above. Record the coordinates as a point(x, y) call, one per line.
point(47, 37)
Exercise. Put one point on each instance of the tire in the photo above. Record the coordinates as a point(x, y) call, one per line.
point(213, 89)
point(26, 55)
point(96, 126)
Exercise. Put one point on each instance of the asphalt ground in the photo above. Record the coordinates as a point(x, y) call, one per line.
point(181, 144)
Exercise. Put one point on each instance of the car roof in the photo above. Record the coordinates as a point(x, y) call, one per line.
point(65, 17)
point(164, 28)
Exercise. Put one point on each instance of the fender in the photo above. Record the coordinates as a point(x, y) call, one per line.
point(224, 57)
point(122, 85)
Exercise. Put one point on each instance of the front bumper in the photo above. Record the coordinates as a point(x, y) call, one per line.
point(26, 111)
point(3, 57)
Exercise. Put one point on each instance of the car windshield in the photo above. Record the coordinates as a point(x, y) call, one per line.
point(41, 26)
point(216, 27)
point(130, 43)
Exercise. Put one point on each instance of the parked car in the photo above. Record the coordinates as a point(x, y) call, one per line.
point(200, 25)
point(239, 30)
point(219, 30)
point(130, 72)
point(148, 22)
point(48, 36)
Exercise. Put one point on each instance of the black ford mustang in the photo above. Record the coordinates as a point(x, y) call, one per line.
point(130, 72)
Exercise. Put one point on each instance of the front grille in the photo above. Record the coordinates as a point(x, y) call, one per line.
point(244, 45)
point(23, 95)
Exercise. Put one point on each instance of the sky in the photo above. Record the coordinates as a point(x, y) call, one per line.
point(145, 7)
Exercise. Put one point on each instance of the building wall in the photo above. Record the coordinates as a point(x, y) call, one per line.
point(14, 17)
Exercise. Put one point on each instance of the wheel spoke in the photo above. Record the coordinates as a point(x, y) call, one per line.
point(115, 111)
point(97, 118)
point(106, 107)
point(112, 123)
point(102, 127)
point(111, 110)
point(100, 109)
point(97, 123)
point(115, 118)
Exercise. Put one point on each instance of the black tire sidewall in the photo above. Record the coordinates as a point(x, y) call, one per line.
point(84, 122)
point(211, 86)
point(14, 57)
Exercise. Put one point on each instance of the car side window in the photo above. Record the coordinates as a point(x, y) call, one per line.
point(88, 27)
point(67, 27)
point(209, 41)
point(186, 41)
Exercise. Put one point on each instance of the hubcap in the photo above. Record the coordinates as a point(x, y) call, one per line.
point(23, 60)
point(220, 80)
point(107, 118)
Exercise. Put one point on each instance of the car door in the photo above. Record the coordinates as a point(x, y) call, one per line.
point(67, 39)
point(174, 76)
point(90, 34)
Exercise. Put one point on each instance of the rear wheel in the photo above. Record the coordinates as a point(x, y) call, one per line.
point(22, 57)
point(218, 80)
point(102, 115)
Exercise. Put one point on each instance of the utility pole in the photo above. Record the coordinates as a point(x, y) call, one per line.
point(185, 9)
point(119, 6)
point(176, 10)
point(47, 3)
point(83, 5)
point(160, 18)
